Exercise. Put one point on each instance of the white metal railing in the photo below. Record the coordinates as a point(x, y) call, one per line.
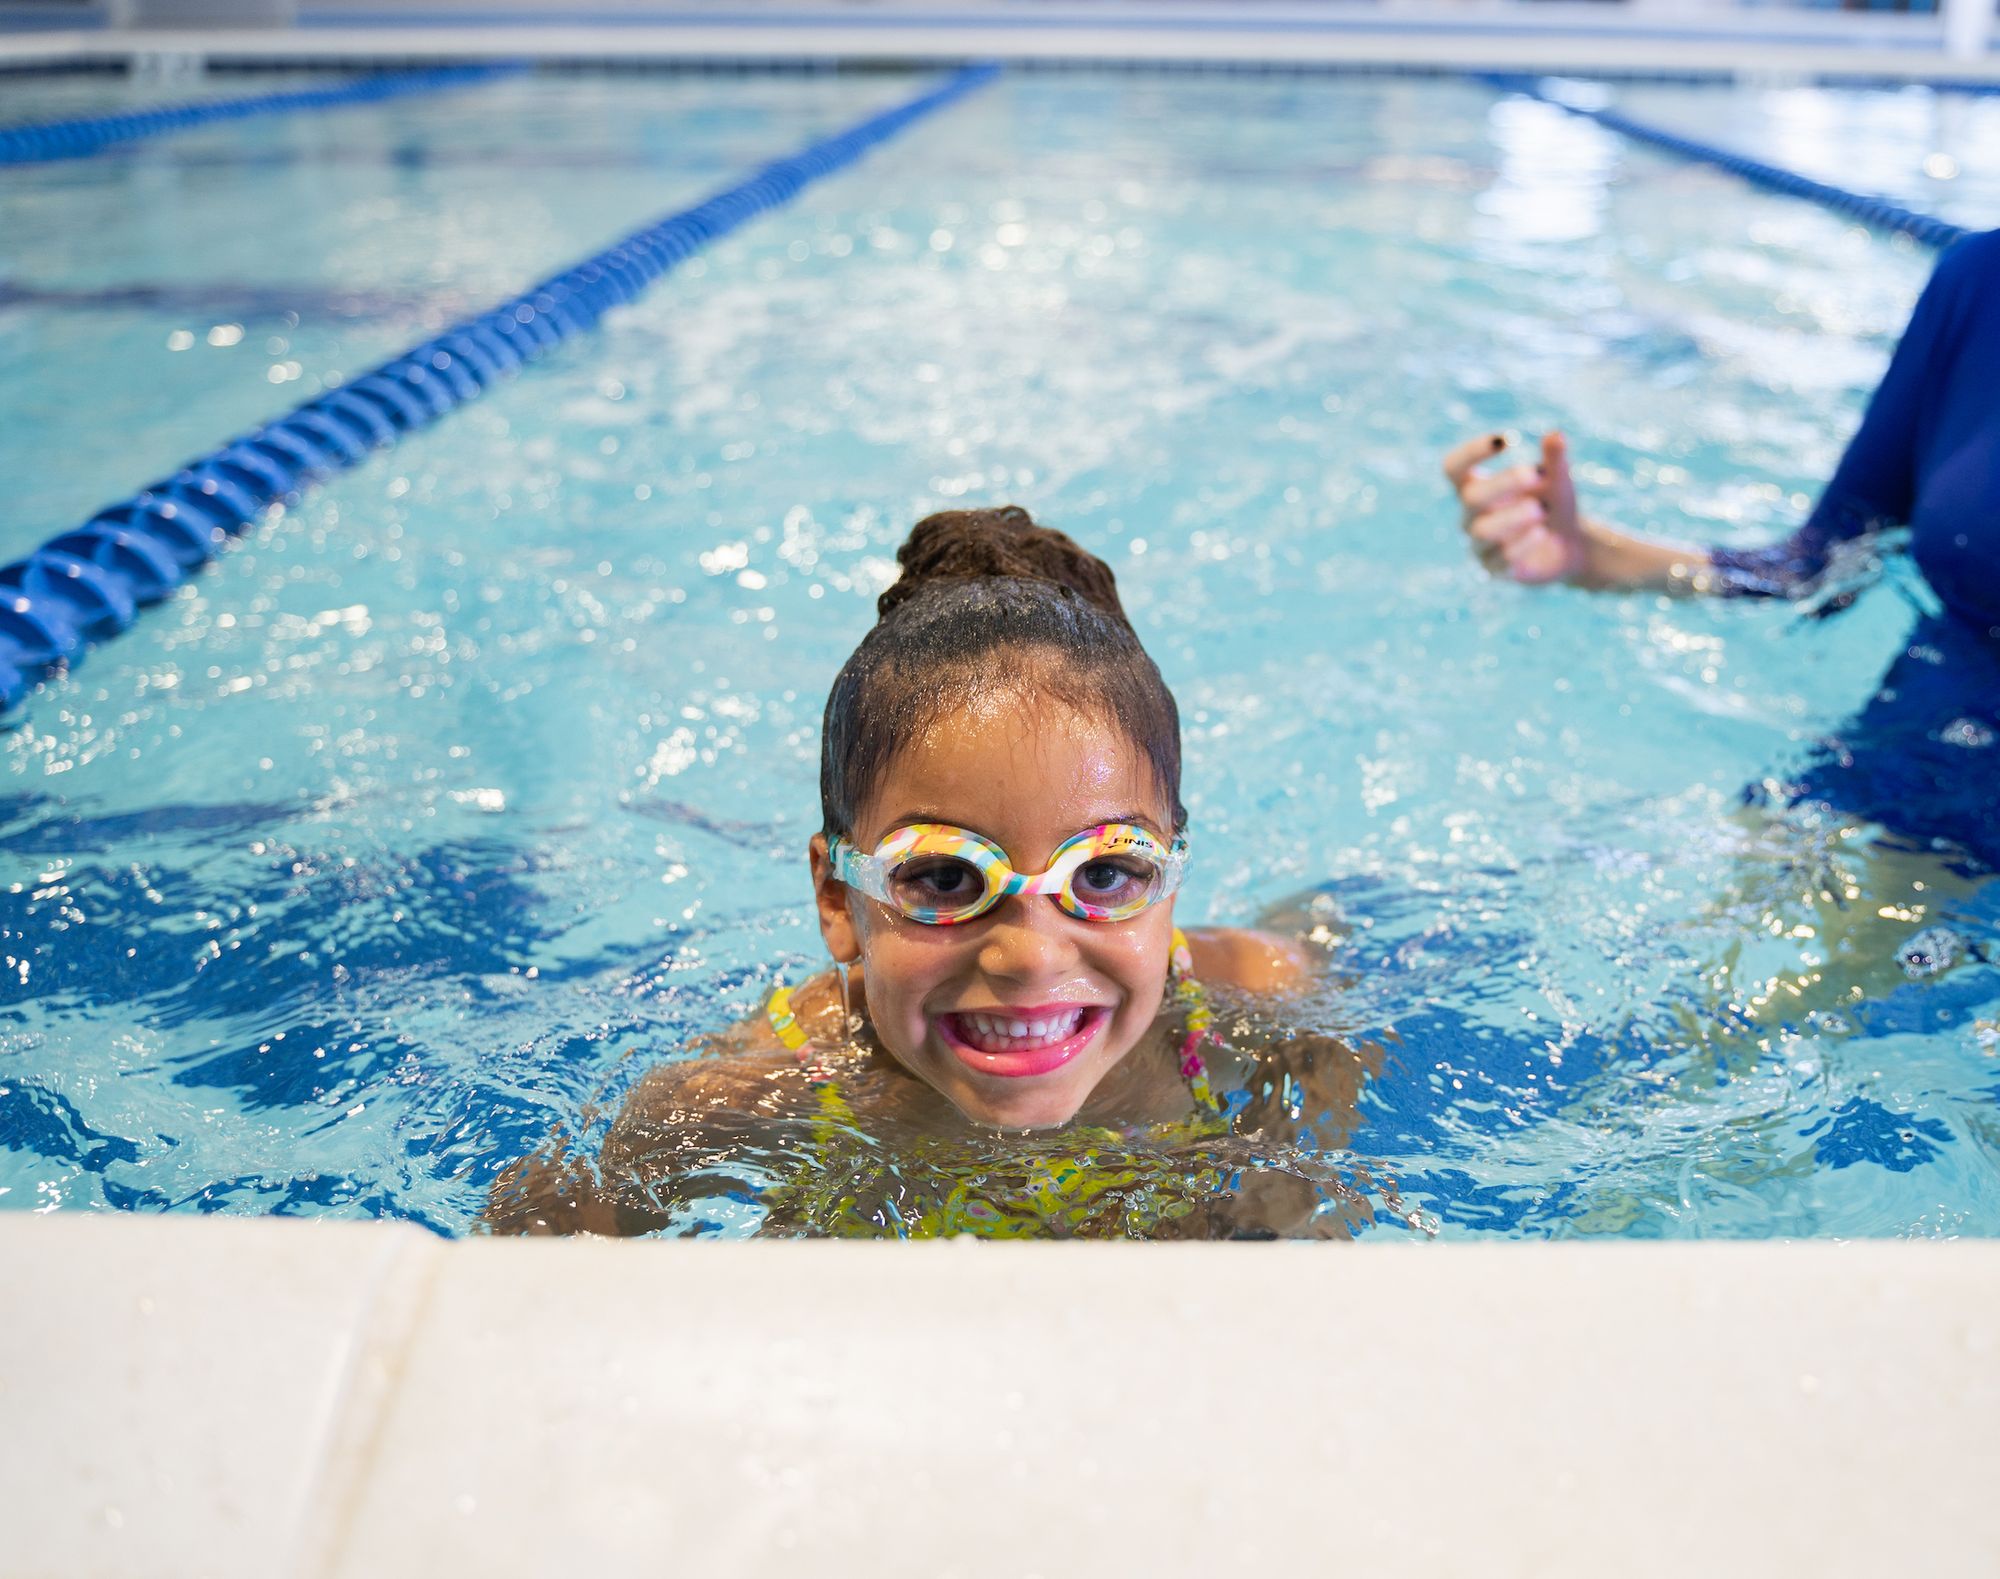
point(1961, 28)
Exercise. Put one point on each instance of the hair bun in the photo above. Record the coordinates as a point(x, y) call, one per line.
point(974, 545)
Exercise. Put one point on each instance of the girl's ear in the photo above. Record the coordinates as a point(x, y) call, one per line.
point(836, 923)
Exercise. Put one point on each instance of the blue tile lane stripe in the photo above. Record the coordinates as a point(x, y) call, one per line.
point(88, 584)
point(1879, 212)
point(76, 139)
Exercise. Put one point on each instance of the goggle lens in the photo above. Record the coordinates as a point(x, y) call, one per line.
point(947, 887)
point(1112, 887)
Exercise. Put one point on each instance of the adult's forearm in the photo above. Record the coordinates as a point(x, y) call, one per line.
point(1616, 561)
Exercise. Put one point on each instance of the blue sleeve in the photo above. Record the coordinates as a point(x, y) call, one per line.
point(1875, 484)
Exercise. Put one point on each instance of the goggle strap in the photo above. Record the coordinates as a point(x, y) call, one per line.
point(860, 871)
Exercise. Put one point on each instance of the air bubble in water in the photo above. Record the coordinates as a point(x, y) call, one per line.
point(1930, 953)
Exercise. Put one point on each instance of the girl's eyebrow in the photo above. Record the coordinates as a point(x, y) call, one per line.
point(910, 818)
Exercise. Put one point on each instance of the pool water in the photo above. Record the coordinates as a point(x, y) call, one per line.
point(443, 805)
point(1921, 149)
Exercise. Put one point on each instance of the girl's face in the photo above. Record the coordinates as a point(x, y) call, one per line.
point(945, 1001)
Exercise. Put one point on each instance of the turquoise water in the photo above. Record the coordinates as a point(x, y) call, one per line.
point(1923, 149)
point(445, 803)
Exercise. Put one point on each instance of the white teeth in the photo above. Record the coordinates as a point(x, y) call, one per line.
point(993, 1027)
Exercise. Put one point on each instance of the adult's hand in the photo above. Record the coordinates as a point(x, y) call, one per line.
point(1523, 519)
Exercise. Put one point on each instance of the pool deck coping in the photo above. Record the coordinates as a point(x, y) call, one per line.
point(1406, 37)
point(271, 1397)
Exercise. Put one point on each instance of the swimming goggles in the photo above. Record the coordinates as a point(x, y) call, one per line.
point(941, 875)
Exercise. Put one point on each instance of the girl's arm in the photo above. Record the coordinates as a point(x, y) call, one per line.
point(673, 1126)
point(551, 1192)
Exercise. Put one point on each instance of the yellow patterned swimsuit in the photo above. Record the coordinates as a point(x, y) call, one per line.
point(1079, 1181)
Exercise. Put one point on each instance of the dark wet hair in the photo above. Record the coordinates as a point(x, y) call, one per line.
point(988, 593)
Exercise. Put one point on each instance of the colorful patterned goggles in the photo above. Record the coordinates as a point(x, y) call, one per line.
point(941, 875)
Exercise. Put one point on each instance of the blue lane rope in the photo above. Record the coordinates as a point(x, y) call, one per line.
point(76, 139)
point(1876, 211)
point(89, 583)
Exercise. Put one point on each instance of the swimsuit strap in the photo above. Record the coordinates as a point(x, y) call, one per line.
point(1188, 995)
point(786, 1024)
point(1199, 1018)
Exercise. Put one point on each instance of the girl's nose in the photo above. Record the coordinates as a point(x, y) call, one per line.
point(1030, 940)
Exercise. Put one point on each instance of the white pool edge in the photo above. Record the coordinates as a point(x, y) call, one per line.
point(279, 1397)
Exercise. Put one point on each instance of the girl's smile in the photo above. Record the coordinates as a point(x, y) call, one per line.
point(1016, 1043)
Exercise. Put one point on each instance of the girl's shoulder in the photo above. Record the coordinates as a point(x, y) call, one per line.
point(1248, 959)
point(745, 1070)
point(712, 1078)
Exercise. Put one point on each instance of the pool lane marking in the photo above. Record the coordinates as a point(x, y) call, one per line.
point(89, 583)
point(77, 139)
point(1876, 211)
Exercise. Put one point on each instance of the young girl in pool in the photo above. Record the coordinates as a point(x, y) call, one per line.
point(1015, 1036)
